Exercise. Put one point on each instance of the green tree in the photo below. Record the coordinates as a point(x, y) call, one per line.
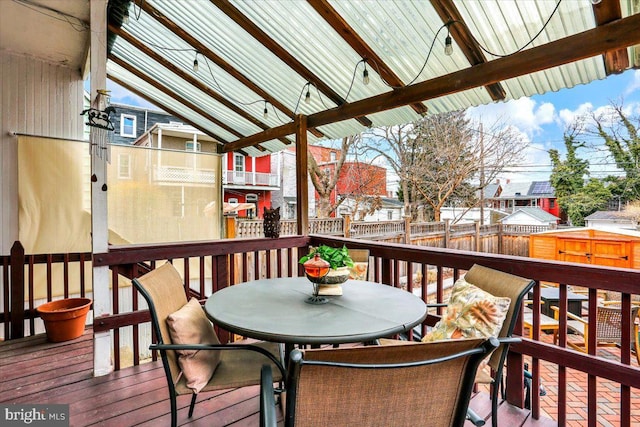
point(594, 196)
point(567, 176)
point(619, 131)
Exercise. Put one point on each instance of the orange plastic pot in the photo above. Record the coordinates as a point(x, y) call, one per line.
point(64, 319)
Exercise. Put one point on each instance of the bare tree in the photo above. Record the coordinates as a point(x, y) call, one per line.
point(446, 156)
point(324, 179)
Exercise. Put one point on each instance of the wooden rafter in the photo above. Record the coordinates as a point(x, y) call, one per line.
point(292, 62)
point(459, 31)
point(219, 61)
point(614, 35)
point(164, 107)
point(615, 61)
point(188, 78)
point(357, 43)
point(136, 72)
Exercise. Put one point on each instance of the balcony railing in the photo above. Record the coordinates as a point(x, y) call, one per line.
point(251, 178)
point(183, 175)
point(209, 266)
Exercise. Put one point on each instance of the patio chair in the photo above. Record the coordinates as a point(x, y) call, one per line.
point(499, 284)
point(194, 361)
point(360, 259)
point(422, 384)
point(608, 326)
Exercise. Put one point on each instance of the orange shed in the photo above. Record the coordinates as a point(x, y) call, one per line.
point(589, 246)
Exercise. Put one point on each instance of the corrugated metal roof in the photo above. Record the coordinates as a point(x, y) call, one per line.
point(407, 36)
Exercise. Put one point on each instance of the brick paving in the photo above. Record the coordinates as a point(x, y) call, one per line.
point(608, 400)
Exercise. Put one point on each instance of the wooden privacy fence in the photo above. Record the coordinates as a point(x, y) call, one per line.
point(493, 238)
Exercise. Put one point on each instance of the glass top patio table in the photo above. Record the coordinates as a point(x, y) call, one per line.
point(275, 310)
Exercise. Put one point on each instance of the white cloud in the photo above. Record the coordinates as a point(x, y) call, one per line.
point(634, 85)
point(524, 113)
point(567, 117)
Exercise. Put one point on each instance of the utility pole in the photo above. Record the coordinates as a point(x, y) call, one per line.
point(482, 185)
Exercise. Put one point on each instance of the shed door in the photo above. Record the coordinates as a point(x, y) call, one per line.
point(574, 250)
point(598, 252)
point(610, 253)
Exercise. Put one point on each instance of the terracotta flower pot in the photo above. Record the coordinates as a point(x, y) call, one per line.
point(64, 319)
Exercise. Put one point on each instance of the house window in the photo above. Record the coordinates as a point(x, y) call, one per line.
point(238, 162)
point(188, 146)
point(128, 125)
point(233, 200)
point(124, 166)
point(389, 215)
point(552, 204)
point(332, 156)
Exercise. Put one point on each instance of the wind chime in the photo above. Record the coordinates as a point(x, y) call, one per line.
point(98, 118)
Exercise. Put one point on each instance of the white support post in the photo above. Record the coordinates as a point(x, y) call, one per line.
point(102, 350)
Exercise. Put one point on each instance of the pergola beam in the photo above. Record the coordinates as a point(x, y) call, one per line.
point(615, 61)
point(614, 35)
point(136, 72)
point(459, 31)
point(216, 59)
point(189, 79)
point(153, 101)
point(357, 43)
point(292, 62)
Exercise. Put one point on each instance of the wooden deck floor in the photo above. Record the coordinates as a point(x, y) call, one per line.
point(37, 372)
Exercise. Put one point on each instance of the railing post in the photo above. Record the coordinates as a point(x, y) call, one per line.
point(500, 237)
point(407, 230)
point(17, 290)
point(447, 232)
point(230, 226)
point(346, 225)
point(478, 245)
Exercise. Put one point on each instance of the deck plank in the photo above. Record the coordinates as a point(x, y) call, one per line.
point(43, 372)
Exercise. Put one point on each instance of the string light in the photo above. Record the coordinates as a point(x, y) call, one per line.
point(448, 47)
point(195, 64)
point(307, 97)
point(365, 74)
point(125, 17)
point(265, 112)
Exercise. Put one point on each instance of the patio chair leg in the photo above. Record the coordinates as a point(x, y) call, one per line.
point(193, 404)
point(474, 418)
point(174, 411)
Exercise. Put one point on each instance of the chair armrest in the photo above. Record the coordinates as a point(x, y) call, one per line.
point(569, 315)
point(245, 347)
point(267, 398)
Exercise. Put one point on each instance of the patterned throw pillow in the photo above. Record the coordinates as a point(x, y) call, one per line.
point(359, 271)
point(471, 313)
point(190, 325)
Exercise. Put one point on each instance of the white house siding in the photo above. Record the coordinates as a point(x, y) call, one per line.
point(38, 98)
point(521, 218)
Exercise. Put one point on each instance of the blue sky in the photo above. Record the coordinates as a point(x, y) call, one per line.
point(542, 120)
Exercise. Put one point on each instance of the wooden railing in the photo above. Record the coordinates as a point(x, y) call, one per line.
point(209, 266)
point(63, 274)
point(491, 238)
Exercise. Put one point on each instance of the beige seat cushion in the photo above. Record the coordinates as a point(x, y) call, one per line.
point(189, 325)
point(471, 313)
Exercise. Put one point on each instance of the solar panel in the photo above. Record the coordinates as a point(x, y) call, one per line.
point(541, 187)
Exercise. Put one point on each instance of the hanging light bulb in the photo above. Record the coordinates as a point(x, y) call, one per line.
point(448, 47)
point(125, 17)
point(265, 112)
point(195, 64)
point(365, 74)
point(307, 96)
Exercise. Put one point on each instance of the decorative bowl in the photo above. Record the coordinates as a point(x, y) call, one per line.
point(336, 276)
